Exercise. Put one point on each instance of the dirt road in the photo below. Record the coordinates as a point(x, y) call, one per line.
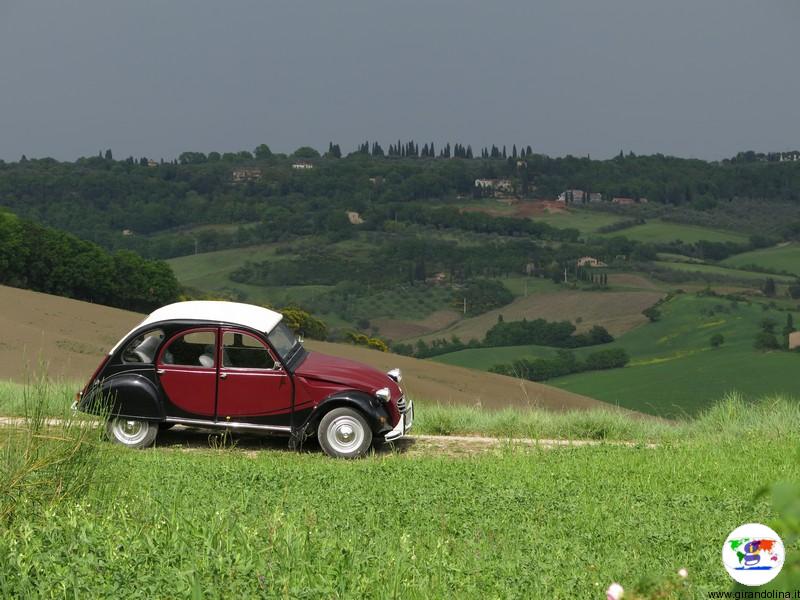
point(192, 439)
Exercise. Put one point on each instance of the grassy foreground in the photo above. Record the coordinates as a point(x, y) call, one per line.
point(559, 523)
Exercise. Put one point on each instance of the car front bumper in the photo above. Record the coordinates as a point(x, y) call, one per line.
point(403, 425)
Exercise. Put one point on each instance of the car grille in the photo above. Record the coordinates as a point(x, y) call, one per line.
point(401, 404)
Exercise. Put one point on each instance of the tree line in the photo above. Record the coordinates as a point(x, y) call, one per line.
point(98, 198)
point(54, 262)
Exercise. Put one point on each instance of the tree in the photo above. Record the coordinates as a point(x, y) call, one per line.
point(788, 329)
point(652, 313)
point(768, 325)
point(717, 340)
point(305, 152)
point(262, 151)
point(766, 341)
point(769, 287)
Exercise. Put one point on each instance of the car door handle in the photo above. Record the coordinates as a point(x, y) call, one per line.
point(223, 375)
point(160, 371)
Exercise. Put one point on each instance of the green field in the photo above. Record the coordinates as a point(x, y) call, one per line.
point(585, 221)
point(673, 370)
point(784, 258)
point(259, 521)
point(729, 272)
point(662, 232)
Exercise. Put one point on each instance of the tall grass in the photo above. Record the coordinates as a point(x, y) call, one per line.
point(733, 415)
point(44, 460)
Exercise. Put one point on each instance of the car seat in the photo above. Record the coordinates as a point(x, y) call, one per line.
point(147, 349)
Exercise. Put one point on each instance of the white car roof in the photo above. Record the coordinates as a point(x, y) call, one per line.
point(247, 315)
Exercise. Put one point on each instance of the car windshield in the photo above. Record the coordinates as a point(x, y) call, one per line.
point(284, 341)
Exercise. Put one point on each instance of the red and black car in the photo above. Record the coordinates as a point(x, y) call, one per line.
point(237, 366)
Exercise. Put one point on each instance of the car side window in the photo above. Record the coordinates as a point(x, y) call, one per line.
point(192, 349)
point(244, 351)
point(142, 348)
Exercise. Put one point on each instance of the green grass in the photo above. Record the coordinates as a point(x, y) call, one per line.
point(206, 269)
point(673, 370)
point(662, 232)
point(484, 358)
point(557, 523)
point(585, 221)
point(729, 272)
point(520, 285)
point(778, 258)
point(209, 272)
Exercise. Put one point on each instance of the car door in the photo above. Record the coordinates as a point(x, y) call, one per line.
point(252, 385)
point(187, 370)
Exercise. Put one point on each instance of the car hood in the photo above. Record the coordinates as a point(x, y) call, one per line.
point(346, 372)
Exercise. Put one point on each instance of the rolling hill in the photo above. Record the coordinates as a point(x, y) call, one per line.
point(69, 338)
point(674, 370)
point(616, 311)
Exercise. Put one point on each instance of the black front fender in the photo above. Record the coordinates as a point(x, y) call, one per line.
point(124, 395)
point(373, 410)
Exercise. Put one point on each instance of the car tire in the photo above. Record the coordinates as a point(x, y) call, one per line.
point(132, 433)
point(344, 433)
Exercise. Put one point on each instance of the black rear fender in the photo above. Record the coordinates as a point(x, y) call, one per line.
point(124, 395)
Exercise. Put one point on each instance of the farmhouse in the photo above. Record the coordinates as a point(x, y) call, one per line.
point(354, 218)
point(302, 165)
point(590, 261)
point(151, 163)
point(244, 174)
point(579, 197)
point(127, 232)
point(437, 278)
point(498, 185)
point(623, 201)
point(794, 340)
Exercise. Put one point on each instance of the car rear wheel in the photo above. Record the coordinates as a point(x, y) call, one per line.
point(133, 433)
point(344, 433)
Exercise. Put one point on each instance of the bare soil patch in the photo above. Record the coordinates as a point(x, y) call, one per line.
point(616, 311)
point(68, 336)
point(398, 329)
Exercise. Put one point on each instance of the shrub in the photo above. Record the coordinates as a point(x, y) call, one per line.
point(766, 341)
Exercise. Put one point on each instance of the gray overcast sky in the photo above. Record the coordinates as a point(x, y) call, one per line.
point(703, 78)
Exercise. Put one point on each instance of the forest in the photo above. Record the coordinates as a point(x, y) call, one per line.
point(54, 262)
point(160, 205)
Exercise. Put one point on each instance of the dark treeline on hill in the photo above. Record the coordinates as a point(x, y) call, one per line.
point(390, 259)
point(539, 332)
point(54, 262)
point(564, 363)
point(143, 205)
point(544, 333)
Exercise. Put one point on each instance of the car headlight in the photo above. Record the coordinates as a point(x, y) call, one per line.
point(396, 375)
point(383, 394)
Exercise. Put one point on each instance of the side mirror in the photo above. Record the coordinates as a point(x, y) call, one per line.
point(277, 366)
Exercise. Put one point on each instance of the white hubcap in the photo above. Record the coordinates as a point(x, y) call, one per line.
point(345, 434)
point(129, 431)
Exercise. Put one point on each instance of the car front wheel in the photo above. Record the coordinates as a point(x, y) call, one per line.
point(344, 433)
point(133, 433)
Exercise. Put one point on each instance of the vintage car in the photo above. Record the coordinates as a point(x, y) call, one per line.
point(239, 367)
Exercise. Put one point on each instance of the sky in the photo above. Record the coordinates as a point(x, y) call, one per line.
point(693, 78)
